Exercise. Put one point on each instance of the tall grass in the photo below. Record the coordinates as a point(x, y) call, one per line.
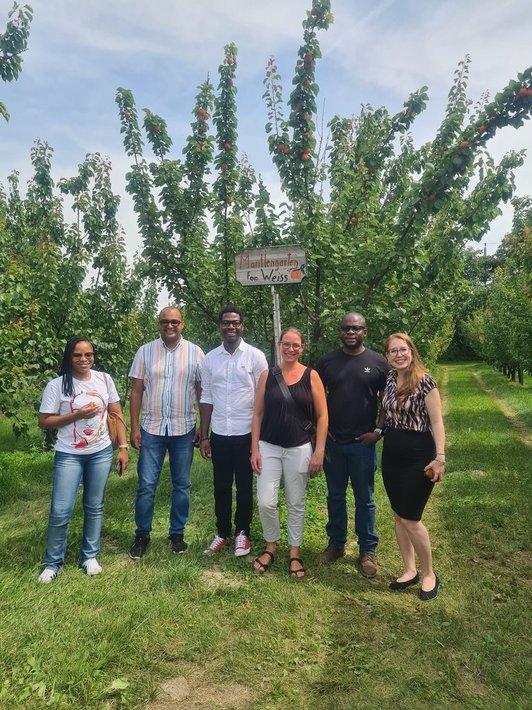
point(332, 641)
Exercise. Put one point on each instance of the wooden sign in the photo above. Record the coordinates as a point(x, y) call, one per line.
point(270, 266)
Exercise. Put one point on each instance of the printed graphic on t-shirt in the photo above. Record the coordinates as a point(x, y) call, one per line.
point(87, 431)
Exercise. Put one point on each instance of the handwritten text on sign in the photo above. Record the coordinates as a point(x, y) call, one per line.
point(270, 266)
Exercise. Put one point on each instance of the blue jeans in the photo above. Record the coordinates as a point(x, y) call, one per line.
point(152, 452)
point(356, 463)
point(69, 471)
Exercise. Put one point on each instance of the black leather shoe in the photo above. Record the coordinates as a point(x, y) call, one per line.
point(396, 586)
point(427, 596)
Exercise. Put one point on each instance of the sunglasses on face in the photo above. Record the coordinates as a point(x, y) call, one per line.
point(354, 328)
point(164, 322)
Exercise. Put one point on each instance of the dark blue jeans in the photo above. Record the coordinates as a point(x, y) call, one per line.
point(152, 452)
point(356, 463)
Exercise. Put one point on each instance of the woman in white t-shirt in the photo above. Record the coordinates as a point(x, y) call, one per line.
point(76, 404)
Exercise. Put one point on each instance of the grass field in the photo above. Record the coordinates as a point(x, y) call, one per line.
point(193, 632)
point(519, 398)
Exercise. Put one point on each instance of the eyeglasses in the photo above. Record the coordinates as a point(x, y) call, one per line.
point(398, 351)
point(229, 323)
point(291, 346)
point(164, 322)
point(354, 328)
point(78, 356)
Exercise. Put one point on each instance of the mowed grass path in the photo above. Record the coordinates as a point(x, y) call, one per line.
point(192, 632)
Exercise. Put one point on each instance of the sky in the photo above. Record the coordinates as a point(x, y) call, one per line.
point(376, 51)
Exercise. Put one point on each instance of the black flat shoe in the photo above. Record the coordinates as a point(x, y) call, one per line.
point(396, 586)
point(427, 596)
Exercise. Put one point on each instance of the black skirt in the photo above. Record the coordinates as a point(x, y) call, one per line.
point(405, 453)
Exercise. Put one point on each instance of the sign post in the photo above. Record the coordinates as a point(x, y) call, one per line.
point(271, 266)
point(276, 323)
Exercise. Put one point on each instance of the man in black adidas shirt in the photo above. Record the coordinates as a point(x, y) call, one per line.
point(354, 377)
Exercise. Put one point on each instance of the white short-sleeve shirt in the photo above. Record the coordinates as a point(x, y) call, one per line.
point(84, 436)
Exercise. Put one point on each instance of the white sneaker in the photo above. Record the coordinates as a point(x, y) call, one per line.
point(48, 575)
point(91, 567)
point(242, 544)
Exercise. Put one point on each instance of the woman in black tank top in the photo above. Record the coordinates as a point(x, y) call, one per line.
point(281, 448)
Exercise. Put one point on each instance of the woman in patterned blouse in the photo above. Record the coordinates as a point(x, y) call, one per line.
point(413, 457)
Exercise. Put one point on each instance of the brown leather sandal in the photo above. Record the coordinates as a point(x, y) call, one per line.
point(263, 566)
point(296, 573)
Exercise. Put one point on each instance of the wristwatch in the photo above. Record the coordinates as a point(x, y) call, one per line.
point(378, 431)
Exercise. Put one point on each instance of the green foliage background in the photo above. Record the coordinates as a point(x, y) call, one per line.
point(59, 279)
point(384, 223)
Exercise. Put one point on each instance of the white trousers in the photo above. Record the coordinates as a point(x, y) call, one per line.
point(292, 466)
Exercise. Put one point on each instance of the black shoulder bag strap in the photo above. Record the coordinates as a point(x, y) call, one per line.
point(293, 408)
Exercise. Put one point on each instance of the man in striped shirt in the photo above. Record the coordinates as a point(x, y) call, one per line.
point(166, 385)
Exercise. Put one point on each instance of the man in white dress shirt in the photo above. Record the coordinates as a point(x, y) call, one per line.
point(229, 378)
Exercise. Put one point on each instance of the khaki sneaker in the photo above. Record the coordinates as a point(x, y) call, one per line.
point(367, 565)
point(331, 554)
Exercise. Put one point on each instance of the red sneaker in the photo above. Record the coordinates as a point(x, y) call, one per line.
point(242, 544)
point(216, 545)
